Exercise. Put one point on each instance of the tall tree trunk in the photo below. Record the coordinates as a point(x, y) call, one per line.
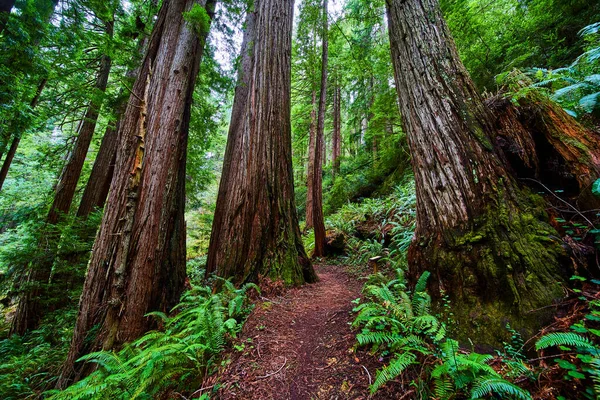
point(5, 9)
point(483, 237)
point(317, 181)
point(67, 184)
point(33, 305)
point(336, 142)
point(311, 162)
point(138, 259)
point(96, 188)
point(255, 231)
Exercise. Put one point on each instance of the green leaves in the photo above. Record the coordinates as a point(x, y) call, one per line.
point(198, 18)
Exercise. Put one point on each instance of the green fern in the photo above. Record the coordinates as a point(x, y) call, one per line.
point(506, 390)
point(393, 369)
point(173, 359)
point(563, 339)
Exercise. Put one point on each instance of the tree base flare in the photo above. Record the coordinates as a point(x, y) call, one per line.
point(507, 269)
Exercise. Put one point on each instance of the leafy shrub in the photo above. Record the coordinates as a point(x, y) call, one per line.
point(580, 355)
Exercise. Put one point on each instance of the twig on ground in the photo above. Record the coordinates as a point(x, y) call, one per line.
point(201, 390)
point(368, 374)
point(274, 373)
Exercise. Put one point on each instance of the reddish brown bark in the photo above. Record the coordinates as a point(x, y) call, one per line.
point(480, 234)
point(138, 259)
point(336, 142)
point(67, 183)
point(96, 189)
point(311, 162)
point(255, 230)
point(317, 178)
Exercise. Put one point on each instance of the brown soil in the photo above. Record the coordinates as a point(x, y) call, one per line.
point(300, 346)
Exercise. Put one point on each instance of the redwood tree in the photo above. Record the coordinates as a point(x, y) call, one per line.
point(336, 140)
point(317, 173)
point(483, 237)
point(138, 259)
point(312, 134)
point(255, 230)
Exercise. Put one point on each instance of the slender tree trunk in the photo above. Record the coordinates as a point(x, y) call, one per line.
point(336, 142)
point(483, 237)
point(5, 9)
point(67, 184)
point(96, 189)
point(311, 162)
point(138, 259)
point(255, 231)
point(317, 181)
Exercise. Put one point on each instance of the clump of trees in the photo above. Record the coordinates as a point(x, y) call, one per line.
point(115, 106)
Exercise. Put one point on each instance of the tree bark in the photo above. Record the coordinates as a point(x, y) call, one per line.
point(67, 184)
point(483, 237)
point(138, 259)
point(317, 181)
point(96, 188)
point(336, 142)
point(311, 162)
point(255, 231)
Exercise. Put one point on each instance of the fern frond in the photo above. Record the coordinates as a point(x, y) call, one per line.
point(487, 387)
point(392, 370)
point(563, 339)
point(421, 285)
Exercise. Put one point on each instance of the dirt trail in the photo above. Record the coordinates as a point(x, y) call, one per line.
point(299, 346)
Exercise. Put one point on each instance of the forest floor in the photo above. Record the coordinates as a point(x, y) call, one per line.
point(299, 345)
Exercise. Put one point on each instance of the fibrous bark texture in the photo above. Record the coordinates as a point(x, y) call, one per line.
point(255, 230)
point(317, 176)
point(336, 141)
point(96, 190)
point(138, 259)
point(310, 170)
point(482, 236)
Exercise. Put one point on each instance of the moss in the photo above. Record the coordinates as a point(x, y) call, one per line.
point(198, 19)
point(501, 269)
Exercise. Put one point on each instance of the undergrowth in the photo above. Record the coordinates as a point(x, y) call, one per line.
point(171, 360)
point(400, 326)
point(378, 226)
